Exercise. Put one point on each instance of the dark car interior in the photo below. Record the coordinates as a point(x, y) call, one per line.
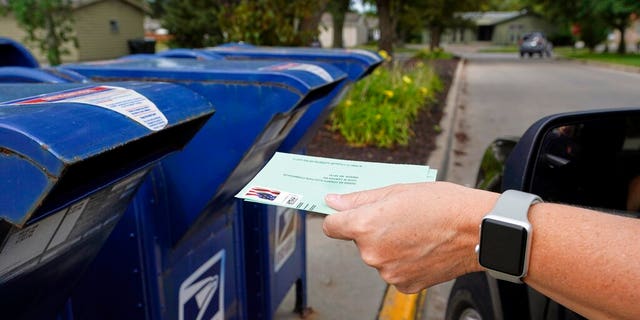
point(591, 164)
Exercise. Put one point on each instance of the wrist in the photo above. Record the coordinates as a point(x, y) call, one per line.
point(477, 203)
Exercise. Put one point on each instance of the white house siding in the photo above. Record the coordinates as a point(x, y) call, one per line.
point(355, 31)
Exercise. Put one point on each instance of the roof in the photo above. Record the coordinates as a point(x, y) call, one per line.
point(138, 4)
point(491, 18)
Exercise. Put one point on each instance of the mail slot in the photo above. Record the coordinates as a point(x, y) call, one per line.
point(72, 157)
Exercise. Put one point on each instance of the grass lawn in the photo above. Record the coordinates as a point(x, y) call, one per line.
point(629, 59)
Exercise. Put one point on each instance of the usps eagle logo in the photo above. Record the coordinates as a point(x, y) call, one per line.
point(263, 193)
point(202, 293)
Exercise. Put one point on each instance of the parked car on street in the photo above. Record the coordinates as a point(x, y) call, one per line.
point(535, 42)
point(583, 158)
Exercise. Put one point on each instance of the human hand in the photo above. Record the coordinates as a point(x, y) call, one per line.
point(416, 235)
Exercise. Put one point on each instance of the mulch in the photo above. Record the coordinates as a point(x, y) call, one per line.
point(426, 128)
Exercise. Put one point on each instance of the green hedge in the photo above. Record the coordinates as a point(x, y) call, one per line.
point(379, 110)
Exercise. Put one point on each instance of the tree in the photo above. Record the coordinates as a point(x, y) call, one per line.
point(309, 26)
point(387, 11)
point(338, 10)
point(441, 14)
point(48, 24)
point(193, 23)
point(594, 17)
point(617, 14)
point(398, 19)
point(272, 22)
point(592, 32)
point(157, 7)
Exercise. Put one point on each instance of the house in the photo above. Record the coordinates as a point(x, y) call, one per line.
point(102, 27)
point(358, 29)
point(631, 37)
point(498, 27)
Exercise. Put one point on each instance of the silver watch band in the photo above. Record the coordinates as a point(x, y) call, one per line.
point(515, 204)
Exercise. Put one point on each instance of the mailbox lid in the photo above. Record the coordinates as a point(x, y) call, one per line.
point(15, 54)
point(356, 63)
point(302, 77)
point(55, 136)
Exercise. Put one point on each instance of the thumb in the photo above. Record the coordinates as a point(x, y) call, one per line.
point(353, 200)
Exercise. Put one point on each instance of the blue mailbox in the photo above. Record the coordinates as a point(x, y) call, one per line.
point(355, 63)
point(275, 236)
point(37, 75)
point(185, 257)
point(12, 53)
point(71, 158)
point(278, 252)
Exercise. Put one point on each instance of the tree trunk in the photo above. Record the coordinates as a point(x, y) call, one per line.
point(386, 27)
point(53, 43)
point(622, 45)
point(338, 25)
point(338, 10)
point(436, 34)
point(309, 25)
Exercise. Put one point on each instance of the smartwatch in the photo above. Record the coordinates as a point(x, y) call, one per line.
point(505, 236)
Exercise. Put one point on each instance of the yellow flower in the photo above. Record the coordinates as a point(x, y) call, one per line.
point(407, 79)
point(378, 116)
point(376, 72)
point(348, 103)
point(388, 93)
point(424, 90)
point(385, 55)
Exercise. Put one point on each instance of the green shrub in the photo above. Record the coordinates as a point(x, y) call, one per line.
point(379, 110)
point(436, 53)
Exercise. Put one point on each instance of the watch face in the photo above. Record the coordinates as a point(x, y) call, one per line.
point(503, 246)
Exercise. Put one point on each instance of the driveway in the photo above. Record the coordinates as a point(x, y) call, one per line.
point(502, 94)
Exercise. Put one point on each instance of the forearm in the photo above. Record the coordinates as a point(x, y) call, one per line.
point(586, 260)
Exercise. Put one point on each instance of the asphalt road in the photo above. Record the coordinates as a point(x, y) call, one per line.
point(502, 94)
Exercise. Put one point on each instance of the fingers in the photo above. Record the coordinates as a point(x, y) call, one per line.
point(346, 224)
point(336, 226)
point(340, 225)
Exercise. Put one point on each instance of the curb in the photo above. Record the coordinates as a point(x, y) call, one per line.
point(396, 305)
point(440, 156)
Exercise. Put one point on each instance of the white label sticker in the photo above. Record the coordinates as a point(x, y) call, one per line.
point(124, 101)
point(26, 244)
point(43, 240)
point(316, 70)
point(286, 225)
point(201, 295)
point(68, 223)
